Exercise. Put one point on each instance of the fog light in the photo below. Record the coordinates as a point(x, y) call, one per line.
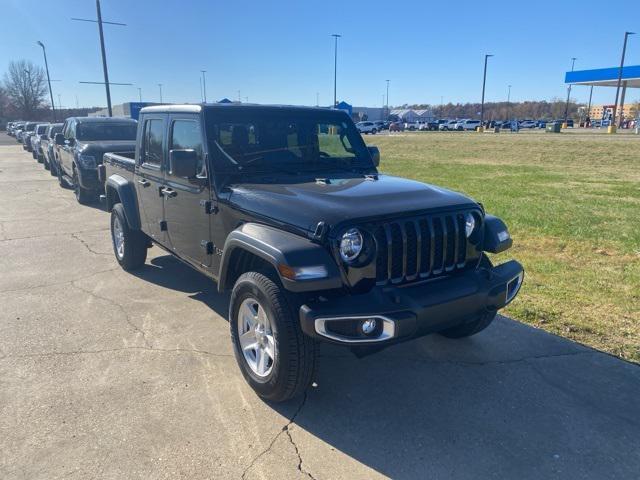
point(369, 326)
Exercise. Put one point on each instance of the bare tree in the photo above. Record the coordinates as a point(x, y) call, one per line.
point(26, 87)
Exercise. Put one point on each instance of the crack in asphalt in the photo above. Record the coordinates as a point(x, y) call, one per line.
point(47, 235)
point(120, 307)
point(111, 350)
point(285, 429)
point(55, 284)
point(87, 246)
point(295, 446)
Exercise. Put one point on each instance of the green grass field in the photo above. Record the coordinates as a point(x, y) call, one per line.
point(572, 204)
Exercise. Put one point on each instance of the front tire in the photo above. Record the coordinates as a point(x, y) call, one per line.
point(83, 196)
point(129, 246)
point(276, 359)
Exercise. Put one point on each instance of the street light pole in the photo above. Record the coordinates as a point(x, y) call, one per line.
point(484, 82)
point(204, 85)
point(566, 107)
point(615, 106)
point(46, 66)
point(160, 86)
point(387, 102)
point(139, 94)
point(508, 101)
point(335, 69)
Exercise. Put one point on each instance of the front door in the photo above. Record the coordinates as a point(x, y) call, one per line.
point(186, 199)
point(65, 156)
point(150, 177)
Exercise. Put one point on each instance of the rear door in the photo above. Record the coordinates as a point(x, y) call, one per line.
point(186, 199)
point(66, 150)
point(150, 176)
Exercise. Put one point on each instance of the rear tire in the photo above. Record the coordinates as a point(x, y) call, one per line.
point(262, 314)
point(129, 246)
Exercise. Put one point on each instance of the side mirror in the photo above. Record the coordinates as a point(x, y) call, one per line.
point(59, 139)
point(183, 163)
point(375, 155)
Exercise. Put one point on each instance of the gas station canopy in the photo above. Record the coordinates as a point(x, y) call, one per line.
point(605, 77)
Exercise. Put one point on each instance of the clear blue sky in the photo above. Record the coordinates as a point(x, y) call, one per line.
point(280, 51)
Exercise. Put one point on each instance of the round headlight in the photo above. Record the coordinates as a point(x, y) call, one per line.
point(469, 224)
point(350, 245)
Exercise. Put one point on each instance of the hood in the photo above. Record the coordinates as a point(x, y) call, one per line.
point(101, 147)
point(337, 200)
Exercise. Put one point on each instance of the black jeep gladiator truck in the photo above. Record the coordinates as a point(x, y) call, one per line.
point(285, 207)
point(79, 149)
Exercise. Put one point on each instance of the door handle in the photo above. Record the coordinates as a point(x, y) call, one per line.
point(144, 183)
point(168, 192)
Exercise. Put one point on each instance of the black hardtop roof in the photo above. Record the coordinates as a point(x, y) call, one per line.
point(199, 107)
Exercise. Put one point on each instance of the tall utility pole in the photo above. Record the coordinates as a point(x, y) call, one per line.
point(484, 82)
point(317, 99)
point(508, 101)
point(160, 86)
point(615, 105)
point(204, 85)
point(139, 94)
point(566, 107)
point(46, 66)
point(100, 22)
point(335, 69)
point(387, 102)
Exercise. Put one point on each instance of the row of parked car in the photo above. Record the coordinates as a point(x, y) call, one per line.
point(458, 124)
point(73, 150)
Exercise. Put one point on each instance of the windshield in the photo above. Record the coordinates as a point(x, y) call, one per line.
point(106, 131)
point(271, 140)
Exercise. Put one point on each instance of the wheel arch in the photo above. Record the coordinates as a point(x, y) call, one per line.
point(259, 245)
point(120, 190)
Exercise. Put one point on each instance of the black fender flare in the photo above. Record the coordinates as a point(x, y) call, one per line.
point(280, 248)
point(128, 197)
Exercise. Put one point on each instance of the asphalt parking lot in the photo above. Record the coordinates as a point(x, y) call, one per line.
point(106, 374)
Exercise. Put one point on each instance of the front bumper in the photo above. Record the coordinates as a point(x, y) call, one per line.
point(405, 312)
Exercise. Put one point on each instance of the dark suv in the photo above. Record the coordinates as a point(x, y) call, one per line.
point(80, 146)
point(285, 207)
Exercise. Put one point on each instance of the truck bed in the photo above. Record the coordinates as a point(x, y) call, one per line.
point(121, 163)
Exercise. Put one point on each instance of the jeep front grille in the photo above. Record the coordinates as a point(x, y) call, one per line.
point(418, 248)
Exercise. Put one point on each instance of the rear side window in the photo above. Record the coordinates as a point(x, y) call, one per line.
point(153, 133)
point(187, 135)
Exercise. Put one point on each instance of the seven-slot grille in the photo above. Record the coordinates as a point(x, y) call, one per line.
point(423, 247)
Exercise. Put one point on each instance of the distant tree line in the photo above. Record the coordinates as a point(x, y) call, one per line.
point(506, 111)
point(24, 95)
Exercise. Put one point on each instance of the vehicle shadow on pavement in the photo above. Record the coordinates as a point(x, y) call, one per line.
point(169, 272)
point(510, 402)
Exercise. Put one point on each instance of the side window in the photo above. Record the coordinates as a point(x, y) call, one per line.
point(152, 146)
point(187, 135)
point(71, 130)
